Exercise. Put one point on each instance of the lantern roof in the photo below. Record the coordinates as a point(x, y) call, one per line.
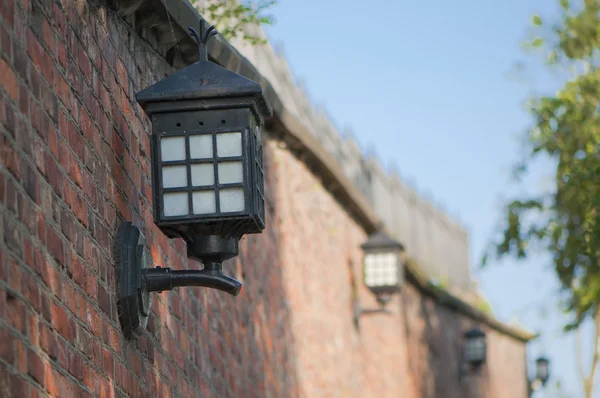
point(473, 333)
point(381, 240)
point(542, 360)
point(204, 80)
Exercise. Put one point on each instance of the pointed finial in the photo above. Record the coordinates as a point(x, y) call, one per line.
point(202, 38)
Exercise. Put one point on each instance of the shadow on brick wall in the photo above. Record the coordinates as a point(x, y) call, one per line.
point(435, 340)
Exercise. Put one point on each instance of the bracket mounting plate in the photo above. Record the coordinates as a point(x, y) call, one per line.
point(133, 300)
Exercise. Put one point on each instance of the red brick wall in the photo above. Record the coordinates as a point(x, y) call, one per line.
point(74, 163)
point(74, 149)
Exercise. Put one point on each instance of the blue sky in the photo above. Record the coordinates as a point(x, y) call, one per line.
point(430, 85)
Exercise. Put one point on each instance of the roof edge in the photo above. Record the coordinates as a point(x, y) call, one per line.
point(447, 299)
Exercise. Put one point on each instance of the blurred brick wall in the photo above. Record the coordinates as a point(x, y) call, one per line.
point(414, 352)
point(74, 164)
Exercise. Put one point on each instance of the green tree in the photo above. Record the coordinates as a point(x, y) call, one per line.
point(232, 18)
point(566, 128)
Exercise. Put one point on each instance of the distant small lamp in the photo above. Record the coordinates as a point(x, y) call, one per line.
point(542, 369)
point(542, 374)
point(475, 352)
point(475, 347)
point(207, 179)
point(383, 268)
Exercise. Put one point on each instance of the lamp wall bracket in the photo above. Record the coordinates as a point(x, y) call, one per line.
point(136, 280)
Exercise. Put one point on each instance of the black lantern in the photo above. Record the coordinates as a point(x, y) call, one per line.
point(383, 265)
point(383, 270)
point(207, 175)
point(475, 347)
point(542, 370)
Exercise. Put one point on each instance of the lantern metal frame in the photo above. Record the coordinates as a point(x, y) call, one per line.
point(467, 365)
point(380, 242)
point(225, 102)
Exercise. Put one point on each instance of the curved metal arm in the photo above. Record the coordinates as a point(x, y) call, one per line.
point(159, 279)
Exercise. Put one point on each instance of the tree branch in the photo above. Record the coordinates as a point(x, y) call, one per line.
point(596, 356)
point(578, 356)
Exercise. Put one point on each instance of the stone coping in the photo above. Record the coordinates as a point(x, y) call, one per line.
point(181, 15)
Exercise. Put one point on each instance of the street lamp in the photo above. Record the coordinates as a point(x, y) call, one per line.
point(475, 351)
point(542, 369)
point(475, 347)
point(542, 374)
point(207, 179)
point(383, 270)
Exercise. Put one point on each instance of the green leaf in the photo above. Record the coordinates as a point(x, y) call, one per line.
point(537, 42)
point(536, 20)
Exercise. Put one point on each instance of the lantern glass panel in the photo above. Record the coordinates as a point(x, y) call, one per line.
point(174, 176)
point(381, 269)
point(475, 349)
point(176, 204)
point(229, 144)
point(204, 202)
point(231, 172)
point(172, 148)
point(203, 174)
point(201, 146)
point(231, 200)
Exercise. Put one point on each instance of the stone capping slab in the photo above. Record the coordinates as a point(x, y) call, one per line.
point(447, 299)
point(183, 14)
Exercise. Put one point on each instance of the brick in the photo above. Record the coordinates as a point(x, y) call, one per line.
point(76, 140)
point(30, 181)
point(48, 36)
point(35, 82)
point(18, 385)
point(40, 57)
point(104, 300)
point(55, 245)
point(21, 356)
point(39, 156)
point(108, 362)
point(46, 306)
point(85, 64)
point(75, 365)
point(5, 42)
point(63, 322)
point(7, 11)
point(13, 236)
point(62, 89)
point(21, 62)
point(94, 321)
point(30, 290)
point(64, 386)
point(53, 141)
point(54, 174)
point(24, 101)
point(8, 81)
point(9, 120)
point(7, 349)
point(48, 342)
point(50, 381)
point(70, 297)
point(49, 100)
point(35, 367)
point(61, 53)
